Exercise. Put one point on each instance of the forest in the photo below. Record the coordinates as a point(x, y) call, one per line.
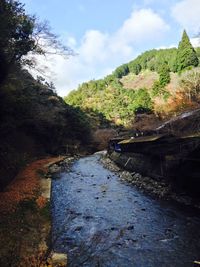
point(147, 84)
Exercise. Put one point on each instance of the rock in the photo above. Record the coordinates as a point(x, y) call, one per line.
point(78, 228)
point(54, 168)
point(113, 228)
point(59, 258)
point(130, 227)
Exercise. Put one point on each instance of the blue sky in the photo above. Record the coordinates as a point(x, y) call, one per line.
point(107, 33)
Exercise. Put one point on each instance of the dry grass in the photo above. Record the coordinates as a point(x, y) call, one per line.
point(143, 80)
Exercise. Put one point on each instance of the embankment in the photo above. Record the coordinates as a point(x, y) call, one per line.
point(25, 221)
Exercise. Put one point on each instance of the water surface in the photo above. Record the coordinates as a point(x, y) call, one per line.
point(98, 220)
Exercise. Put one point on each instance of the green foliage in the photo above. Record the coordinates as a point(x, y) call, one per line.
point(28, 105)
point(119, 105)
point(142, 101)
point(79, 124)
point(135, 68)
point(121, 71)
point(16, 34)
point(186, 55)
point(156, 89)
point(153, 60)
point(197, 49)
point(164, 73)
point(20, 34)
point(159, 89)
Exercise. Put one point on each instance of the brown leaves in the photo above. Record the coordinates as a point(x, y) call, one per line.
point(25, 186)
point(41, 202)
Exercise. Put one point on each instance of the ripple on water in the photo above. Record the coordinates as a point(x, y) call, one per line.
point(100, 221)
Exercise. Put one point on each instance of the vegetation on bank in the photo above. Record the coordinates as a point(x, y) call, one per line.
point(25, 218)
point(119, 97)
point(35, 121)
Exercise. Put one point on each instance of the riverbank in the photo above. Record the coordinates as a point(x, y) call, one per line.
point(158, 189)
point(25, 222)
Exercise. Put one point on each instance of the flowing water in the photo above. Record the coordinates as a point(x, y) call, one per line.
point(98, 220)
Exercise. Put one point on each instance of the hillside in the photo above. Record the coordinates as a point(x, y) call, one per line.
point(35, 122)
point(159, 83)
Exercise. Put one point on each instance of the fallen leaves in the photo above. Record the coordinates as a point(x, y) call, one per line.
point(26, 185)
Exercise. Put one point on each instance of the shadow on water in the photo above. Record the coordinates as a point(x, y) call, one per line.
point(99, 220)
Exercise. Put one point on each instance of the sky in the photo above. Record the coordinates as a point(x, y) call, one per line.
point(107, 33)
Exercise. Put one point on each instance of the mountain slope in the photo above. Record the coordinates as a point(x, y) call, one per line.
point(148, 84)
point(35, 122)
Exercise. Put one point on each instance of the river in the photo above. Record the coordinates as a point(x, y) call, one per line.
point(99, 220)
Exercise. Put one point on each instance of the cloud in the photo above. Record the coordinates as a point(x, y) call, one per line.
point(195, 41)
point(99, 52)
point(142, 25)
point(186, 13)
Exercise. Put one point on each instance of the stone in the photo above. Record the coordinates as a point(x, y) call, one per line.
point(59, 258)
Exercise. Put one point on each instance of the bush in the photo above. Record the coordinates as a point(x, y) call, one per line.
point(142, 101)
point(190, 83)
point(159, 90)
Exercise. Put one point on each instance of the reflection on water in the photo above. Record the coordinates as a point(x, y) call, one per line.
point(99, 220)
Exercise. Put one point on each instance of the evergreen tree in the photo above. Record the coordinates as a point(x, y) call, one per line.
point(164, 74)
point(186, 55)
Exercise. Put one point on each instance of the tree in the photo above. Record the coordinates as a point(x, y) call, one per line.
point(121, 71)
point(186, 55)
point(164, 73)
point(20, 34)
point(15, 31)
point(142, 101)
point(136, 68)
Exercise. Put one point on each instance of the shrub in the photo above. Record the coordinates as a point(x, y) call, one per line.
point(190, 84)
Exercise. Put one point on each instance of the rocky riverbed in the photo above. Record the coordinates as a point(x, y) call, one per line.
point(159, 189)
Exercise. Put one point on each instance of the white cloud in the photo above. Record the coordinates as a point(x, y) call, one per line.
point(99, 53)
point(142, 25)
point(186, 12)
point(195, 41)
point(93, 45)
